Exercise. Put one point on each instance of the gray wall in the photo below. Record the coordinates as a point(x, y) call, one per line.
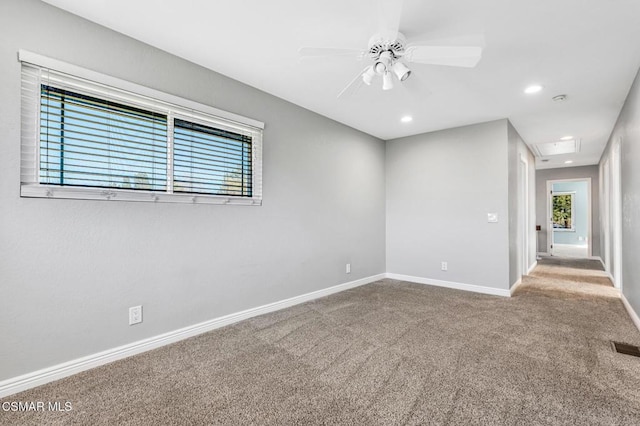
point(69, 269)
point(627, 131)
point(545, 175)
point(519, 211)
point(440, 187)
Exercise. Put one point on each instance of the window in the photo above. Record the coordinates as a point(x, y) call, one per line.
point(96, 138)
point(86, 141)
point(563, 211)
point(210, 161)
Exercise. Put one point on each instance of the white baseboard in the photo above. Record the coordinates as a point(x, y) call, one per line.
point(450, 284)
point(611, 278)
point(518, 283)
point(515, 286)
point(631, 311)
point(56, 372)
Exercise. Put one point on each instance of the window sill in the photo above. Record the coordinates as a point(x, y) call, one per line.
point(115, 194)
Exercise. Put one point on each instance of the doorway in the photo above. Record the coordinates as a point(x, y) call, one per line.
point(569, 218)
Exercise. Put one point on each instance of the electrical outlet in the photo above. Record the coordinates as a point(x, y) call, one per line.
point(135, 315)
point(348, 268)
point(444, 266)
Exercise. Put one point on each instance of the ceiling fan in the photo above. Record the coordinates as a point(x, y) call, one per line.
point(390, 53)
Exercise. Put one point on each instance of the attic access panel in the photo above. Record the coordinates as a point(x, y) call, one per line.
point(547, 149)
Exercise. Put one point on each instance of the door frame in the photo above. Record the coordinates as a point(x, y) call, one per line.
point(606, 213)
point(549, 217)
point(523, 203)
point(616, 212)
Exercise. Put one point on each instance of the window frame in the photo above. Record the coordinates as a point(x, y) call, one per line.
point(37, 70)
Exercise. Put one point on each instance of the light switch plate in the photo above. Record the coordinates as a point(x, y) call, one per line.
point(492, 217)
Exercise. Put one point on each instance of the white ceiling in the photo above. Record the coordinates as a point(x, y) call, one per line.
point(586, 49)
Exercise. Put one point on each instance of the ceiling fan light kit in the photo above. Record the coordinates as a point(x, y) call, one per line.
point(387, 81)
point(385, 65)
point(401, 71)
point(386, 56)
point(367, 76)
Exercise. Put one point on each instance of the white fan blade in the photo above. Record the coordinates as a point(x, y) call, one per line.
point(309, 52)
point(454, 56)
point(389, 13)
point(354, 85)
point(456, 40)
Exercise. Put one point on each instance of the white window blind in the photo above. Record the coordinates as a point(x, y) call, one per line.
point(87, 141)
point(82, 138)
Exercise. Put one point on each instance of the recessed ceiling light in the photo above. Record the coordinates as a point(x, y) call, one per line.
point(568, 162)
point(535, 88)
point(406, 119)
point(559, 98)
point(566, 138)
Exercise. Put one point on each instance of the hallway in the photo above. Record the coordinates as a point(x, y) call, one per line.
point(570, 250)
point(568, 278)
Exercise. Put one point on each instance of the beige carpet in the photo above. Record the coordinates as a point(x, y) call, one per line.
point(568, 278)
point(382, 354)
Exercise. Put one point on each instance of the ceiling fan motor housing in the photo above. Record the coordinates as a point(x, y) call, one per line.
point(379, 44)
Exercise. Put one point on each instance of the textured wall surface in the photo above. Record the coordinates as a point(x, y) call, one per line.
point(440, 188)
